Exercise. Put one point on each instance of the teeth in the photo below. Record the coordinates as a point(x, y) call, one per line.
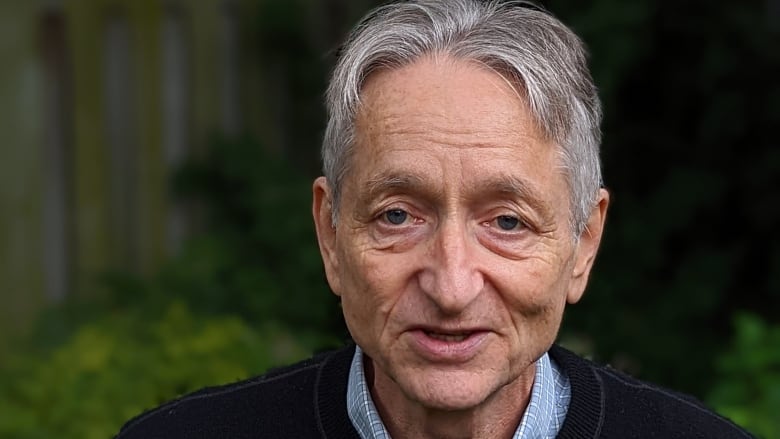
point(447, 337)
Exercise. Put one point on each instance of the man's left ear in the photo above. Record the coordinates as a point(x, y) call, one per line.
point(587, 247)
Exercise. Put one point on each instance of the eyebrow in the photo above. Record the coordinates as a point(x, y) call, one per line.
point(385, 182)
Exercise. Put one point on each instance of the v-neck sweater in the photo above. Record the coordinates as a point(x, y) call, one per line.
point(308, 400)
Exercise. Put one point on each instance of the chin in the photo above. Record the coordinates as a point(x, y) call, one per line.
point(450, 390)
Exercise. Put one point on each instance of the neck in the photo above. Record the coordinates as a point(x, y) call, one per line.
point(496, 417)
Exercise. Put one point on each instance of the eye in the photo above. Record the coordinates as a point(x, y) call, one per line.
point(396, 216)
point(506, 222)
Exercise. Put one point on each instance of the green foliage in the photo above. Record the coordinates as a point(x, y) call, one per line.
point(748, 389)
point(692, 165)
point(246, 293)
point(257, 253)
point(112, 369)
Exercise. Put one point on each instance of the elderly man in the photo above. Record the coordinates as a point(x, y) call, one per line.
point(460, 211)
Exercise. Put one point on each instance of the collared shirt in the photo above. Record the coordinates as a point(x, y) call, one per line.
point(542, 419)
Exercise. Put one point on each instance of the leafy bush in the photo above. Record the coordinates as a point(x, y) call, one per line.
point(749, 387)
point(112, 369)
point(246, 293)
point(256, 254)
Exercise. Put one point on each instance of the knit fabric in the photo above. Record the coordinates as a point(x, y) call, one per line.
point(308, 400)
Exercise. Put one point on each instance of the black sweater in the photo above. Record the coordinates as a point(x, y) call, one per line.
point(308, 400)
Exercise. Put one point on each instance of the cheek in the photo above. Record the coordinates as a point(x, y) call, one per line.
point(534, 304)
point(372, 286)
point(533, 292)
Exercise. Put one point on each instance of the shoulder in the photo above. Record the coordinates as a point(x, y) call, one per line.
point(627, 407)
point(276, 404)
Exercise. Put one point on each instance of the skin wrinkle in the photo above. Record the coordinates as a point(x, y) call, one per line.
point(451, 144)
point(502, 186)
point(385, 124)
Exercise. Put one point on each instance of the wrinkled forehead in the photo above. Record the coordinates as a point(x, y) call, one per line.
point(449, 115)
point(441, 78)
point(502, 73)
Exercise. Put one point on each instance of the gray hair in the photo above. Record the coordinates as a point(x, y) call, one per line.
point(528, 46)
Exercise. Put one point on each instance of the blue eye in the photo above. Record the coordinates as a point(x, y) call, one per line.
point(396, 216)
point(506, 222)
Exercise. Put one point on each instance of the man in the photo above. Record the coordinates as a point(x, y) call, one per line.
point(460, 211)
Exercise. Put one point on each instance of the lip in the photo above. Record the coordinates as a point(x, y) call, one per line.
point(437, 350)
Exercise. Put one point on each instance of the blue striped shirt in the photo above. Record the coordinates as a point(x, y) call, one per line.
point(542, 419)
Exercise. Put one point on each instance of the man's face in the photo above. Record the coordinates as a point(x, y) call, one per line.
point(452, 254)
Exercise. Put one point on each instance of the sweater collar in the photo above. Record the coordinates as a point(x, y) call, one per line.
point(586, 408)
point(330, 394)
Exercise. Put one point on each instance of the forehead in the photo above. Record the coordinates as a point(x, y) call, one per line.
point(439, 92)
point(440, 108)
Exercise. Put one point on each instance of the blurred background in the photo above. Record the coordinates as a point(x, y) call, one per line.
point(155, 169)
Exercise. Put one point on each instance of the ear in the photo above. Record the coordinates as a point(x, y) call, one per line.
point(587, 247)
point(322, 210)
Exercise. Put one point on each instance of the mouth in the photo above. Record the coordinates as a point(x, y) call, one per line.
point(448, 346)
point(449, 337)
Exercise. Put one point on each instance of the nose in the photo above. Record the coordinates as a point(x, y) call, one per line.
point(451, 278)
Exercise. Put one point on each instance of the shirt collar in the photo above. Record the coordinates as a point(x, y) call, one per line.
point(543, 417)
point(550, 395)
point(360, 406)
